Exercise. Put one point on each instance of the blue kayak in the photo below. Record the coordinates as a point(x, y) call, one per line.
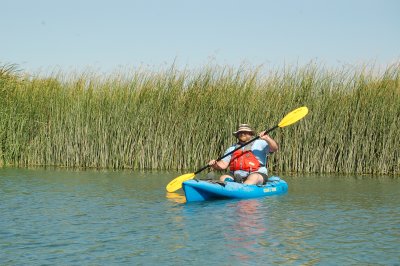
point(199, 190)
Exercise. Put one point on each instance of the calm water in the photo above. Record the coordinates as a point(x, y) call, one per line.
point(64, 217)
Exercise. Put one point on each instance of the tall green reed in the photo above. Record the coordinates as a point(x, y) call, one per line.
point(180, 119)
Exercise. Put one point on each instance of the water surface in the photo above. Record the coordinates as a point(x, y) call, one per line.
point(66, 217)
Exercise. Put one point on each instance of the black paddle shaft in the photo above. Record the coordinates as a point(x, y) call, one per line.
point(241, 146)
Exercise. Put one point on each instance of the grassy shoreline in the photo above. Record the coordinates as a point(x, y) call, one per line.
point(175, 119)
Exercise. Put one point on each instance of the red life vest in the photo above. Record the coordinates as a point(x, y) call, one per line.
point(244, 160)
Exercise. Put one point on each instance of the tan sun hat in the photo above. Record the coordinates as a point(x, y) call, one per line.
point(244, 128)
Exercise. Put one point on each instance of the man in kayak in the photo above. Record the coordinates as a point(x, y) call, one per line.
point(248, 164)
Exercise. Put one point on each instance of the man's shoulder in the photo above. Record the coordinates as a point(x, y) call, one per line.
point(232, 147)
point(260, 143)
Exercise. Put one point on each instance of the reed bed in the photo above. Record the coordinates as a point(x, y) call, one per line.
point(180, 119)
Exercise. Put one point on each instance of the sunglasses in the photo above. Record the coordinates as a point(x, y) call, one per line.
point(244, 132)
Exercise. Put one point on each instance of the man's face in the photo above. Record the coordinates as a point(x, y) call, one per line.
point(244, 136)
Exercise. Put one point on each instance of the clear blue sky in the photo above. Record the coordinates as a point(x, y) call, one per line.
point(74, 34)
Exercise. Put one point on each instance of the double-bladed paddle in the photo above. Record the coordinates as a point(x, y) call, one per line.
point(289, 119)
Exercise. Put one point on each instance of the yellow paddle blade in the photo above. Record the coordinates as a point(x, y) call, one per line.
point(176, 184)
point(293, 116)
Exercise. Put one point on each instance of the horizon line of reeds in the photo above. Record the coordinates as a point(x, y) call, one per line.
point(180, 120)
